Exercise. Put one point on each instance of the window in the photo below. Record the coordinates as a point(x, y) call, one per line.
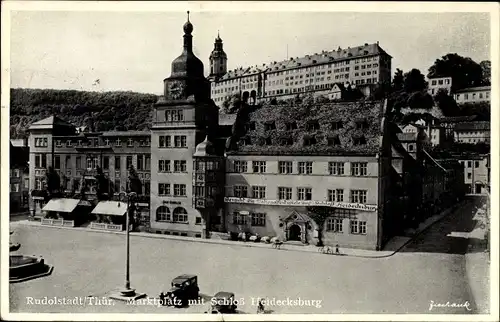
point(117, 163)
point(40, 161)
point(57, 162)
point(174, 115)
point(336, 195)
point(180, 141)
point(197, 221)
point(180, 215)
point(180, 166)
point(239, 219)
point(179, 190)
point(358, 227)
point(334, 224)
point(164, 141)
point(162, 214)
point(334, 140)
point(240, 191)
point(469, 175)
point(26, 183)
point(309, 140)
point(312, 126)
point(147, 187)
point(359, 140)
point(358, 168)
point(305, 167)
point(469, 164)
point(164, 165)
point(304, 193)
point(259, 166)
point(258, 219)
point(269, 126)
point(358, 196)
point(336, 168)
point(14, 187)
point(284, 193)
point(285, 167)
point(105, 163)
point(59, 143)
point(41, 142)
point(117, 185)
point(163, 189)
point(476, 164)
point(92, 162)
point(258, 192)
point(129, 162)
point(240, 166)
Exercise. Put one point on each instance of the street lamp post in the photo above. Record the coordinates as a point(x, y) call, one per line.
point(128, 293)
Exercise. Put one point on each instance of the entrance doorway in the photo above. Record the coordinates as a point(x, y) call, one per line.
point(294, 233)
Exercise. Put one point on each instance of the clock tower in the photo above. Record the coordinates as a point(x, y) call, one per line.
point(183, 117)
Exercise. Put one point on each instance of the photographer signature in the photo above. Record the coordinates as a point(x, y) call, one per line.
point(466, 305)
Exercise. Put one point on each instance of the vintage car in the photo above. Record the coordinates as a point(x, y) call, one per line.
point(223, 302)
point(183, 288)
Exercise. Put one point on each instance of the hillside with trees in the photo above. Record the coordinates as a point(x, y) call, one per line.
point(119, 111)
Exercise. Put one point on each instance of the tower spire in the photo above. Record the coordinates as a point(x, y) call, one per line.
point(188, 15)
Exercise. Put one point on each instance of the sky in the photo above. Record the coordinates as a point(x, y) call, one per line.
point(134, 50)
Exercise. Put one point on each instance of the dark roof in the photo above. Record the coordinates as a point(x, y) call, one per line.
point(308, 60)
point(348, 113)
point(406, 137)
point(473, 126)
point(183, 277)
point(223, 295)
point(473, 89)
point(456, 119)
point(49, 123)
point(127, 133)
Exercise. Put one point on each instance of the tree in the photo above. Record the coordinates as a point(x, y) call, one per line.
point(53, 186)
point(231, 104)
point(319, 215)
point(398, 81)
point(486, 72)
point(102, 185)
point(414, 81)
point(464, 72)
point(420, 99)
point(446, 103)
point(135, 184)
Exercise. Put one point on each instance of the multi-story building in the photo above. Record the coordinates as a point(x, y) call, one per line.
point(472, 132)
point(476, 169)
point(361, 66)
point(472, 95)
point(284, 170)
point(437, 83)
point(185, 185)
point(19, 176)
point(76, 156)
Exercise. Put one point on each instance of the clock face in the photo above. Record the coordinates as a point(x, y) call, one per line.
point(176, 89)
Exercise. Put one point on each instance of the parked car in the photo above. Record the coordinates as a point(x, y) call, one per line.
point(183, 288)
point(223, 302)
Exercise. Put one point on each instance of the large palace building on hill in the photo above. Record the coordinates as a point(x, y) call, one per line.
point(340, 173)
point(362, 67)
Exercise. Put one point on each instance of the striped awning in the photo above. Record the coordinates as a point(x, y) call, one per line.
point(62, 205)
point(110, 208)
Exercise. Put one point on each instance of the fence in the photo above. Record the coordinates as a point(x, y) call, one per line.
point(57, 222)
point(102, 226)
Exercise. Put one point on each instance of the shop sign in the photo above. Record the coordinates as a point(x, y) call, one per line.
point(267, 202)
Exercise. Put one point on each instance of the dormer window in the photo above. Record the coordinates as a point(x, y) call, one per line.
point(246, 141)
point(118, 142)
point(286, 141)
point(360, 140)
point(333, 140)
point(312, 126)
point(106, 141)
point(291, 126)
point(250, 126)
point(130, 143)
point(309, 140)
point(337, 125)
point(362, 125)
point(269, 126)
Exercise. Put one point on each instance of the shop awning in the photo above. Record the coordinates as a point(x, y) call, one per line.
point(61, 205)
point(110, 208)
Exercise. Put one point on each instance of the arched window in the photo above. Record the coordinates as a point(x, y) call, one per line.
point(180, 215)
point(163, 214)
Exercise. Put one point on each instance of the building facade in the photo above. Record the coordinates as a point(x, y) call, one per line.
point(363, 65)
point(76, 157)
point(19, 176)
point(437, 83)
point(476, 169)
point(472, 132)
point(473, 95)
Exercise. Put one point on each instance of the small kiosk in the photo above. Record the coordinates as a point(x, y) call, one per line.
point(110, 215)
point(66, 212)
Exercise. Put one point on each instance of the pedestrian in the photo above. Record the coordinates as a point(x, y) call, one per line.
point(337, 249)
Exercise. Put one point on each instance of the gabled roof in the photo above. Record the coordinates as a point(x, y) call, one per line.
point(340, 86)
point(49, 123)
point(473, 126)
